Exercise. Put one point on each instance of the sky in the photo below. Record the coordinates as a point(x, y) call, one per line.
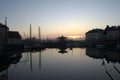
point(59, 17)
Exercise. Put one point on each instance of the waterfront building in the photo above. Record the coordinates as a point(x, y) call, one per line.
point(112, 33)
point(9, 37)
point(94, 35)
point(14, 37)
point(108, 34)
point(3, 34)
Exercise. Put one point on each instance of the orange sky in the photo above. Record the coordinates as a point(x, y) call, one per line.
point(59, 17)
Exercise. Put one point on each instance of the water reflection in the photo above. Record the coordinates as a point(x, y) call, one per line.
point(62, 50)
point(108, 54)
point(40, 60)
point(75, 64)
point(6, 59)
point(31, 60)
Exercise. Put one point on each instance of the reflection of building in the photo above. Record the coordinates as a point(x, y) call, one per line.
point(6, 59)
point(95, 53)
point(109, 55)
point(94, 35)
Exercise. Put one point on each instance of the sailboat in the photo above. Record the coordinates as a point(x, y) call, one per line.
point(35, 45)
point(39, 45)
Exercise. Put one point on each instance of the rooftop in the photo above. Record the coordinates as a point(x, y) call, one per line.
point(3, 26)
point(113, 28)
point(14, 34)
point(95, 31)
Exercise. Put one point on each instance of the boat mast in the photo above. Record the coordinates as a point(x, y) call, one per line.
point(6, 31)
point(30, 32)
point(6, 21)
point(39, 34)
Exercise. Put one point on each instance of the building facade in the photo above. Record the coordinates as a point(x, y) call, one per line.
point(14, 37)
point(112, 33)
point(9, 37)
point(3, 34)
point(108, 34)
point(94, 35)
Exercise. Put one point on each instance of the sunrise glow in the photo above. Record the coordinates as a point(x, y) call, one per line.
point(74, 36)
point(59, 17)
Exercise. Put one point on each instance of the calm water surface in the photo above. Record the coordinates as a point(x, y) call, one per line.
point(69, 64)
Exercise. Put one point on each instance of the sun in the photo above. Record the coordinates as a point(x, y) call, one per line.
point(74, 37)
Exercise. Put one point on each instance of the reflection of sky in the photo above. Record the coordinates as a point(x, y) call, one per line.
point(57, 17)
point(74, 65)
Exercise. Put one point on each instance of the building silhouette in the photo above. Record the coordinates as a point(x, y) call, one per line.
point(14, 37)
point(108, 34)
point(9, 37)
point(94, 35)
point(3, 34)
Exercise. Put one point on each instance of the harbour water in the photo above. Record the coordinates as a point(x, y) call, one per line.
point(64, 64)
